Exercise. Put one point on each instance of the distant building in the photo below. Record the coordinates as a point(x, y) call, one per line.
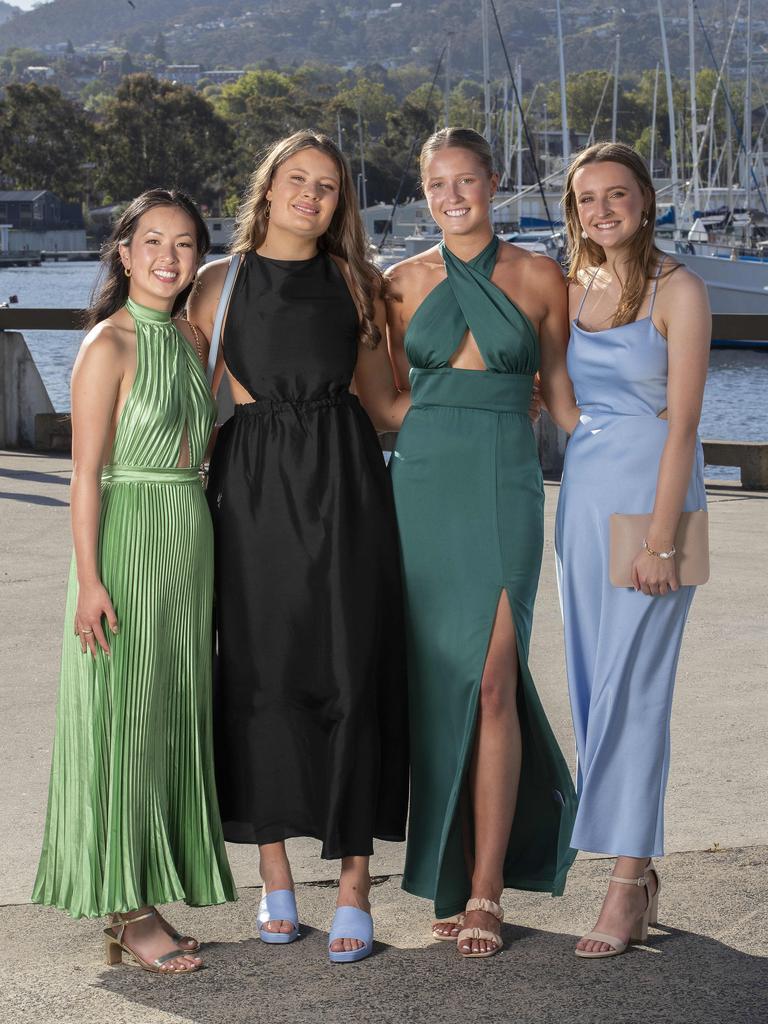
point(183, 74)
point(38, 73)
point(223, 77)
point(40, 220)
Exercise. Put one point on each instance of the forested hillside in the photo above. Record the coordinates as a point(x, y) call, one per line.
point(235, 33)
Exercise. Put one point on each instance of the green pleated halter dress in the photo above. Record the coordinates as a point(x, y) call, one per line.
point(470, 500)
point(132, 812)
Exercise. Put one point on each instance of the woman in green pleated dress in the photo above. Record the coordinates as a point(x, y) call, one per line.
point(471, 321)
point(132, 814)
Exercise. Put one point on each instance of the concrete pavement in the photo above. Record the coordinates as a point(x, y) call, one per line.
point(707, 961)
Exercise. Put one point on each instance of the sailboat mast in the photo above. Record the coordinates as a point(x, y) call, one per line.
point(672, 131)
point(694, 121)
point(653, 118)
point(486, 72)
point(519, 120)
point(563, 94)
point(447, 86)
point(748, 118)
point(615, 116)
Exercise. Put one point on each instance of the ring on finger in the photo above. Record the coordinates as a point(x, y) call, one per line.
point(87, 632)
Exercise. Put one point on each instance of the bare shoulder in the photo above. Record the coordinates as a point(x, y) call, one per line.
point(105, 347)
point(533, 271)
point(215, 271)
point(414, 275)
point(679, 284)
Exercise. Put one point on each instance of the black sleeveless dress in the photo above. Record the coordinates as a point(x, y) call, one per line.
point(310, 703)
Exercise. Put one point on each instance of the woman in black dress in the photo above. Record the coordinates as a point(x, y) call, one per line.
point(310, 697)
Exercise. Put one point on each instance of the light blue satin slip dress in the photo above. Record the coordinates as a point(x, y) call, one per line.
point(621, 647)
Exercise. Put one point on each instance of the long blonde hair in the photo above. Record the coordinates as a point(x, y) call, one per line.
point(645, 254)
point(345, 236)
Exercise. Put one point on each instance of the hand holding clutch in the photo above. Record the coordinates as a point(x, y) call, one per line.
point(691, 546)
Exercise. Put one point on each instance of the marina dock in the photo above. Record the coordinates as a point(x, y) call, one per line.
point(705, 961)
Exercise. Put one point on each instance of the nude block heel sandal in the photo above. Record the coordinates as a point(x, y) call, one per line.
point(639, 931)
point(489, 907)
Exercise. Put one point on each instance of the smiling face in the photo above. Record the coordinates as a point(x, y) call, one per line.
point(458, 190)
point(610, 203)
point(161, 256)
point(304, 194)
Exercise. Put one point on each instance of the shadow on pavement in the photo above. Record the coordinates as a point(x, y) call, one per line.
point(31, 499)
point(679, 977)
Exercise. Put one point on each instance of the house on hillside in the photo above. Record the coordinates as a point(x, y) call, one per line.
point(39, 220)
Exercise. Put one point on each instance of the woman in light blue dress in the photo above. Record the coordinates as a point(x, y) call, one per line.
point(637, 356)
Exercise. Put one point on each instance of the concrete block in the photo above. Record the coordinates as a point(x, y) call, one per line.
point(22, 392)
point(53, 432)
point(750, 456)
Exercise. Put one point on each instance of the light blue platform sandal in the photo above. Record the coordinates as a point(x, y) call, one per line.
point(351, 923)
point(279, 905)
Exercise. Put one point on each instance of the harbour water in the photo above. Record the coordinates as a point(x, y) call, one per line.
point(735, 400)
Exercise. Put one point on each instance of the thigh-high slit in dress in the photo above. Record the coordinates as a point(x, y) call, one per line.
point(469, 498)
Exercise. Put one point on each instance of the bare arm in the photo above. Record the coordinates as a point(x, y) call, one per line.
point(556, 386)
point(385, 403)
point(684, 309)
point(397, 325)
point(96, 380)
point(202, 303)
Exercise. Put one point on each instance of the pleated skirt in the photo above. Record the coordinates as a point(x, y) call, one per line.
point(132, 809)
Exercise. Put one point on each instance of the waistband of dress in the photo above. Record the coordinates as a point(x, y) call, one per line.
point(150, 475)
point(471, 389)
point(270, 406)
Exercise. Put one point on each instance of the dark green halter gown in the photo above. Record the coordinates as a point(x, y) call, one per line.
point(470, 501)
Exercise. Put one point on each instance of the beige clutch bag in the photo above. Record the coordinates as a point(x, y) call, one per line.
point(691, 545)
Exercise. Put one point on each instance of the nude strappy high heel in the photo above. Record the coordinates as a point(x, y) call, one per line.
point(639, 931)
point(114, 947)
point(489, 907)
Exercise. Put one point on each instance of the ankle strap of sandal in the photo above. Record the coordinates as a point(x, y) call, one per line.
point(487, 906)
point(642, 880)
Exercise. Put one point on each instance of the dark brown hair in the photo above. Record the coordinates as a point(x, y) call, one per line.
point(345, 236)
point(112, 288)
point(584, 253)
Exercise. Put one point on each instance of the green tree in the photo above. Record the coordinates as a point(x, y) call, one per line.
point(158, 134)
point(46, 139)
point(259, 108)
point(159, 48)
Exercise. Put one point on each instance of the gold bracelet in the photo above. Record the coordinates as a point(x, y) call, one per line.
point(664, 555)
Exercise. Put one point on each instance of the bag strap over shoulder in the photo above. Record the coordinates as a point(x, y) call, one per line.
point(221, 312)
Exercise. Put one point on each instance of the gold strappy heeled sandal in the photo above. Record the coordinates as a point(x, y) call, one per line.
point(115, 947)
point(456, 919)
point(176, 936)
point(489, 907)
point(639, 931)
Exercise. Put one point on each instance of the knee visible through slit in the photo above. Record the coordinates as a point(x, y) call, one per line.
point(500, 671)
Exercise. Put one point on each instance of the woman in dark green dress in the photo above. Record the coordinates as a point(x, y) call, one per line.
point(471, 322)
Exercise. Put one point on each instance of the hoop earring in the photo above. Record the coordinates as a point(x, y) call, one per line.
point(644, 221)
point(127, 271)
point(269, 207)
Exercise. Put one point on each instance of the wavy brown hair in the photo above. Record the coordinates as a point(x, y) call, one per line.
point(584, 253)
point(457, 138)
point(345, 236)
point(112, 288)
